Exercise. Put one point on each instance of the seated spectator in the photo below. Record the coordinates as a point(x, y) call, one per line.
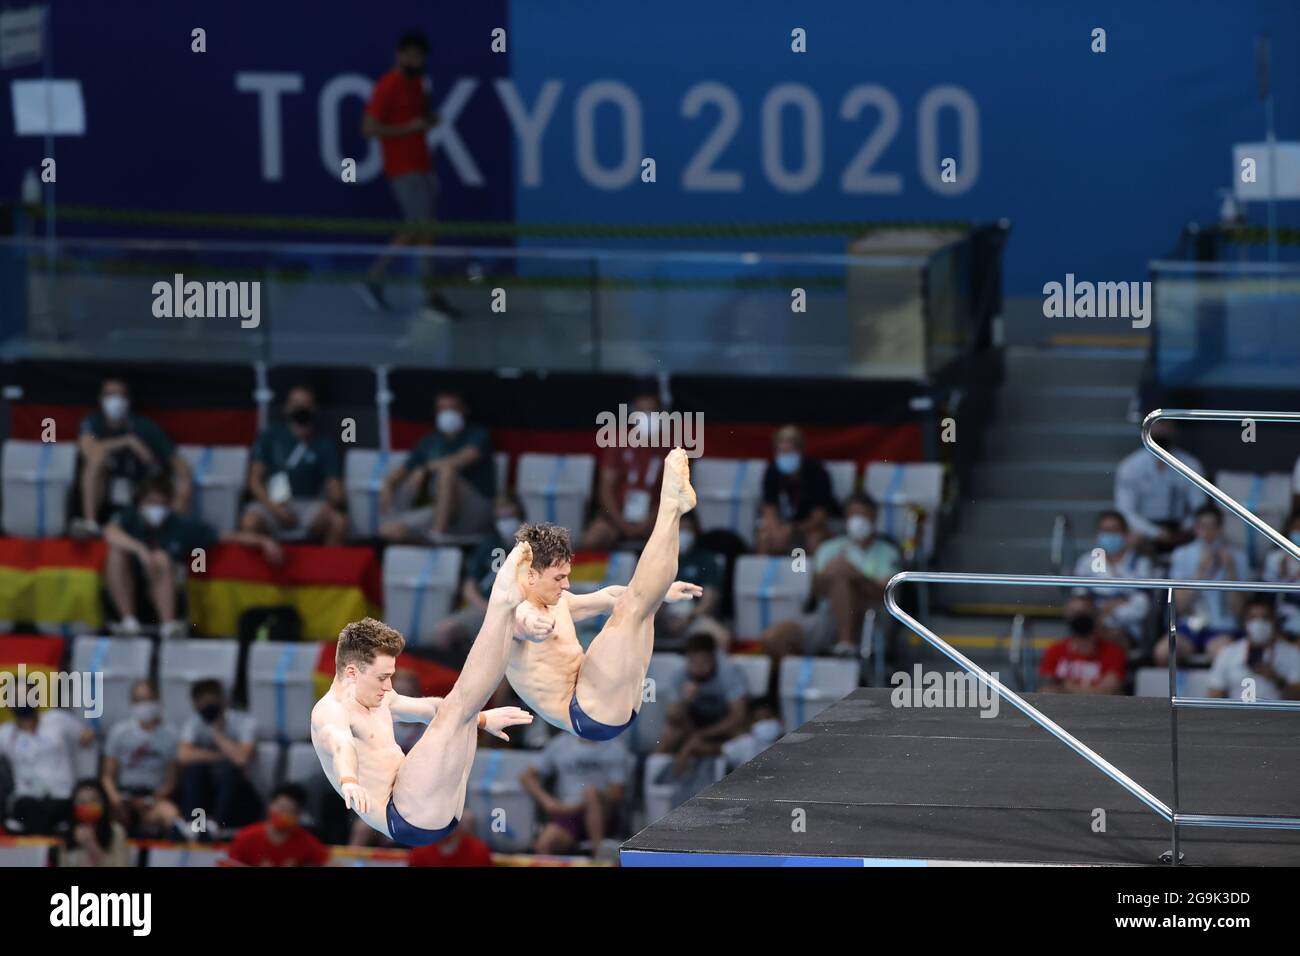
point(91, 836)
point(1158, 503)
point(1207, 620)
point(139, 770)
point(215, 754)
point(459, 848)
point(798, 501)
point(708, 708)
point(295, 477)
point(1084, 662)
point(627, 486)
point(455, 463)
point(1123, 610)
point(763, 728)
point(41, 746)
point(118, 451)
point(280, 839)
point(849, 577)
point(677, 621)
point(1260, 661)
point(150, 544)
point(480, 570)
point(1281, 568)
point(585, 800)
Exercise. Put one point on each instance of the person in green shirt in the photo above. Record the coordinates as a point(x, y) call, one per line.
point(677, 622)
point(455, 461)
point(296, 477)
point(153, 541)
point(118, 451)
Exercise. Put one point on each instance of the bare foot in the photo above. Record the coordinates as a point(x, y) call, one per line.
point(677, 481)
point(509, 585)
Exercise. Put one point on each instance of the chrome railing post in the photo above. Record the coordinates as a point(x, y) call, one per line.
point(1174, 856)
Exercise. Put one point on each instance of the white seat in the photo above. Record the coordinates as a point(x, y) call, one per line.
point(844, 475)
point(188, 855)
point(757, 669)
point(37, 477)
point(282, 689)
point(266, 768)
point(1268, 496)
point(663, 677)
point(767, 590)
point(1154, 682)
point(220, 472)
point(85, 760)
point(122, 661)
point(181, 663)
point(505, 815)
point(419, 589)
point(301, 765)
point(24, 854)
point(728, 494)
point(901, 490)
point(555, 488)
point(661, 798)
point(811, 684)
point(364, 471)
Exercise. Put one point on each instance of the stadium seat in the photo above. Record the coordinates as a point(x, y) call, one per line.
point(281, 688)
point(419, 589)
point(659, 798)
point(900, 489)
point(505, 815)
point(181, 663)
point(844, 475)
point(555, 488)
point(122, 661)
point(1268, 496)
point(29, 852)
point(190, 854)
point(1154, 682)
point(85, 761)
point(364, 470)
point(37, 477)
point(265, 772)
point(757, 669)
point(220, 473)
point(301, 765)
point(728, 494)
point(666, 671)
point(811, 684)
point(767, 590)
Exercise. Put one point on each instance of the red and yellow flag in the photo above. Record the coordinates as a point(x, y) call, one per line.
point(51, 581)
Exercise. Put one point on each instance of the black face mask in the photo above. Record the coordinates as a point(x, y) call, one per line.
point(703, 678)
point(1081, 625)
point(411, 70)
point(302, 416)
point(210, 712)
point(24, 713)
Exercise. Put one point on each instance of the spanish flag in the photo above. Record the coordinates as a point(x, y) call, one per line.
point(329, 587)
point(35, 654)
point(52, 582)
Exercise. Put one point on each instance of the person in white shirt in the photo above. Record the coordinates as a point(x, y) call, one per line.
point(41, 747)
point(1207, 620)
point(1281, 568)
point(1260, 664)
point(1122, 612)
point(1156, 501)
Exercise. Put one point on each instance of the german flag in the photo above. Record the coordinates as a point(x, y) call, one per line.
point(435, 679)
point(329, 587)
point(52, 582)
point(589, 567)
point(36, 654)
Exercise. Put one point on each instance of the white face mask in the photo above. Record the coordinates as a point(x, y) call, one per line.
point(859, 527)
point(145, 711)
point(1259, 630)
point(114, 406)
point(506, 528)
point(450, 421)
point(766, 731)
point(685, 541)
point(154, 515)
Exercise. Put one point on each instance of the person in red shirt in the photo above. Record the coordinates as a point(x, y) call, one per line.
point(628, 487)
point(1084, 662)
point(398, 116)
point(458, 848)
point(280, 839)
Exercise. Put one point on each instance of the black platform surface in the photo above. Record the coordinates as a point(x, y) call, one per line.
point(867, 783)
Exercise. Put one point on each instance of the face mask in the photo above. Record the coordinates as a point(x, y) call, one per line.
point(88, 812)
point(766, 731)
point(302, 415)
point(154, 515)
point(283, 821)
point(23, 713)
point(1081, 625)
point(114, 406)
point(1259, 630)
point(787, 463)
point(685, 541)
point(506, 528)
point(450, 421)
point(411, 70)
point(859, 527)
point(1110, 541)
point(704, 678)
point(145, 711)
point(210, 712)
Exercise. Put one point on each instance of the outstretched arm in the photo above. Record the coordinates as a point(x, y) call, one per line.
point(414, 710)
point(583, 606)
